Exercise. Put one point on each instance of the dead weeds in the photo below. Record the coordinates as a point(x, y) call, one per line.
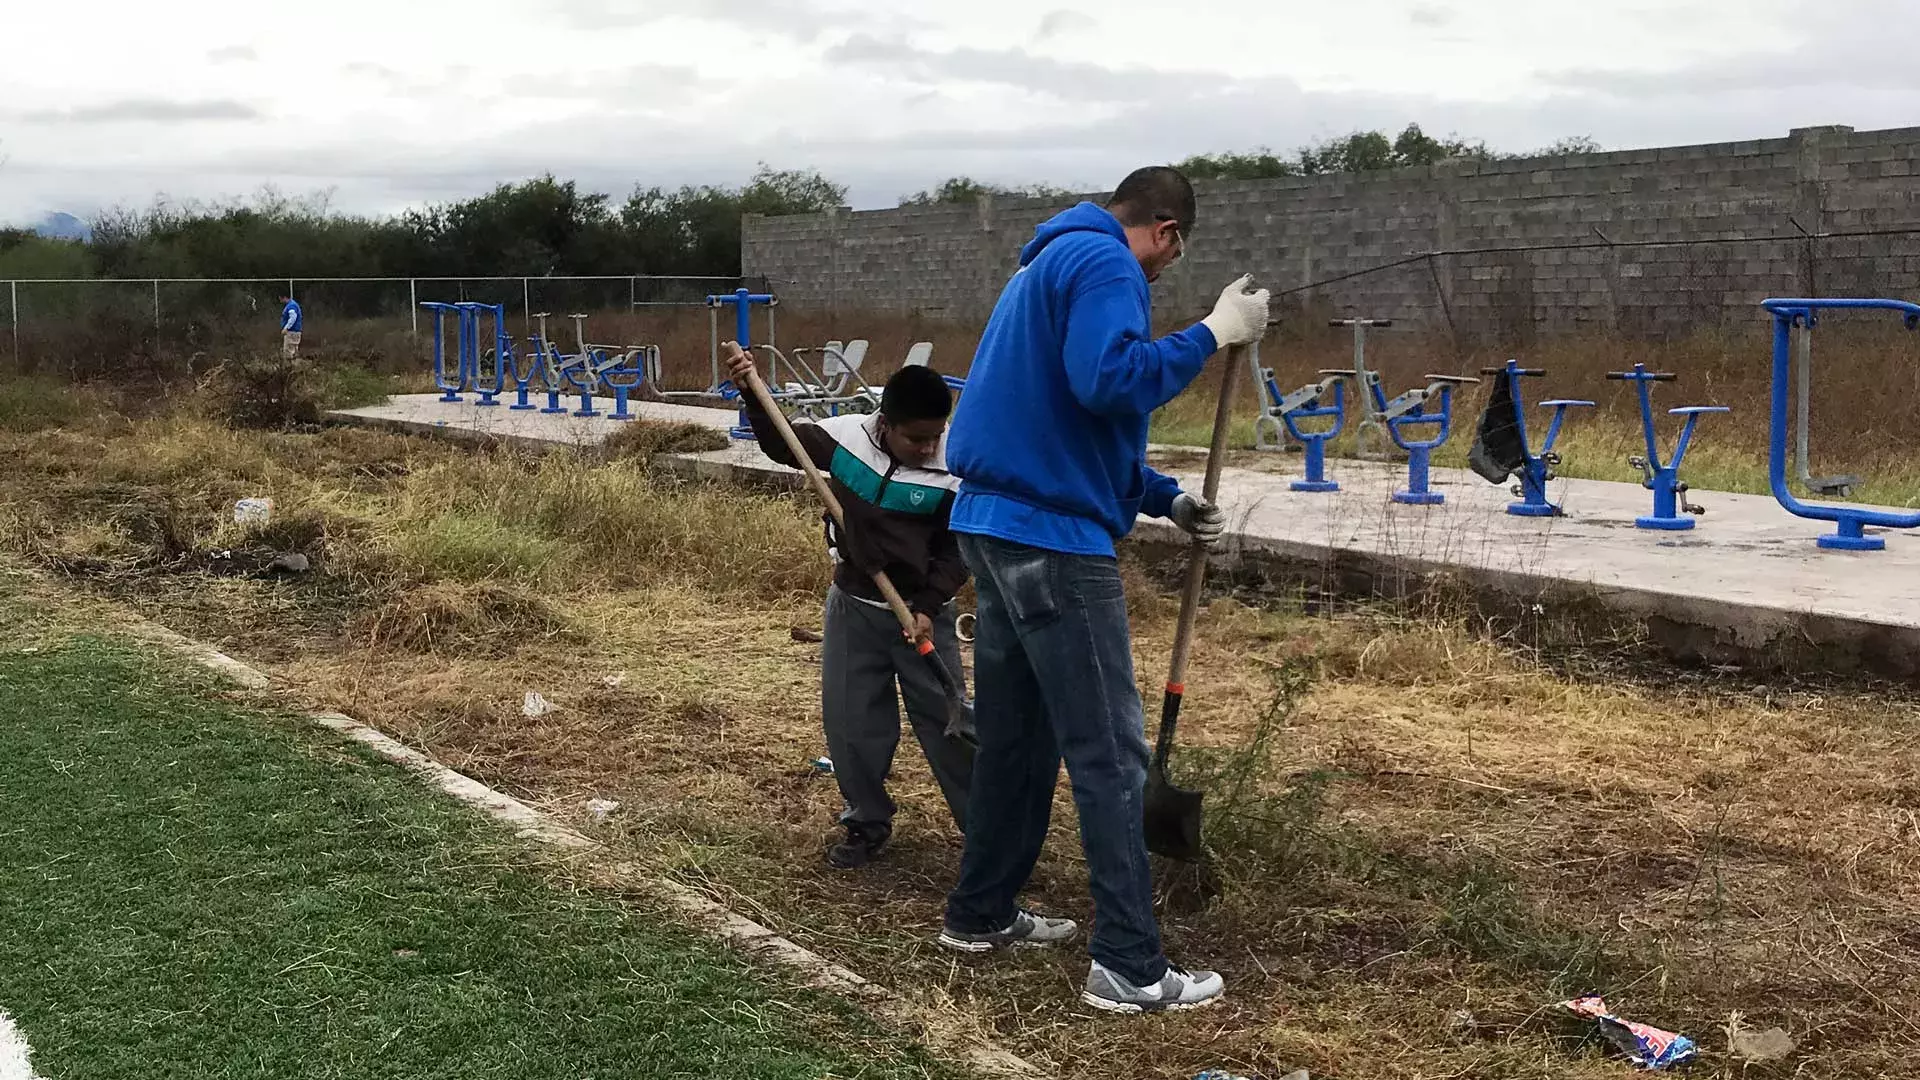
point(1422, 838)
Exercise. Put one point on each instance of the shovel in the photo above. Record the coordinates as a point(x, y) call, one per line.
point(959, 712)
point(1173, 813)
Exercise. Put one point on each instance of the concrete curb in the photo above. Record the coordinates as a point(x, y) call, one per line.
point(704, 914)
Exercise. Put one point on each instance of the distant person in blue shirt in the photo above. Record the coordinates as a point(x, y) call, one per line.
point(1049, 441)
point(290, 323)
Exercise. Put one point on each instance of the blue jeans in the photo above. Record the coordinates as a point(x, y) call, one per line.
point(1053, 679)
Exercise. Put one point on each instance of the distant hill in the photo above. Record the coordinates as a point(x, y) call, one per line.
point(60, 225)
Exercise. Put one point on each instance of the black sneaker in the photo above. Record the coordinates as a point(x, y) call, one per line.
point(865, 842)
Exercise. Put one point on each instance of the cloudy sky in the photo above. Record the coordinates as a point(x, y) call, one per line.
point(386, 103)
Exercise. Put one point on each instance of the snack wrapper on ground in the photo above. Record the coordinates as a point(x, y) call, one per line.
point(1648, 1047)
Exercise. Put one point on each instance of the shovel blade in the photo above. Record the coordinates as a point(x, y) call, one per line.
point(960, 722)
point(1173, 818)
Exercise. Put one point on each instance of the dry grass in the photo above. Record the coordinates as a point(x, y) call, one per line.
point(1423, 838)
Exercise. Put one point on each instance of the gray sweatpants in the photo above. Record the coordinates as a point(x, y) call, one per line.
point(862, 658)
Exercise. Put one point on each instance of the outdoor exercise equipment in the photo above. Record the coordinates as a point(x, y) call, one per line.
point(634, 364)
point(920, 354)
point(509, 361)
point(471, 312)
point(1283, 412)
point(620, 369)
point(449, 387)
point(1430, 406)
point(581, 374)
point(1839, 487)
point(838, 386)
point(743, 301)
point(1372, 423)
point(1670, 505)
point(1850, 522)
point(556, 368)
point(1505, 423)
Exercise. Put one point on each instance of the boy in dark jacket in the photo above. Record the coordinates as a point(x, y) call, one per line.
point(889, 472)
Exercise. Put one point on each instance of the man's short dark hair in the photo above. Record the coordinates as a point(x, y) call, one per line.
point(916, 393)
point(1155, 193)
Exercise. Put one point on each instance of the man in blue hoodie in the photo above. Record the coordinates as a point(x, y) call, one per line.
point(1049, 441)
point(291, 319)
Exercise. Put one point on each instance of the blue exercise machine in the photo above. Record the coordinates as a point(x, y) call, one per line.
point(1850, 522)
point(743, 301)
point(450, 387)
point(471, 312)
point(1429, 407)
point(554, 365)
point(1533, 468)
point(1283, 412)
point(622, 370)
point(623, 373)
point(1670, 505)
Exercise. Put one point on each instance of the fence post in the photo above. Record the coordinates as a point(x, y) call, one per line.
point(13, 305)
point(156, 303)
point(633, 293)
point(413, 308)
point(526, 307)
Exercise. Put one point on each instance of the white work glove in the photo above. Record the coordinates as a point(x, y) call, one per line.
point(1203, 520)
point(1238, 316)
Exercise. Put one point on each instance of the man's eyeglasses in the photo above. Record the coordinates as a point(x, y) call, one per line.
point(1179, 236)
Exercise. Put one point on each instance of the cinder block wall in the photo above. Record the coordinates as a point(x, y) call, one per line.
point(1638, 241)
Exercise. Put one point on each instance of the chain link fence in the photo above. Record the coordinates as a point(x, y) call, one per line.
point(88, 326)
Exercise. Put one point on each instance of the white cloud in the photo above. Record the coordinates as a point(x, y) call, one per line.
point(1064, 22)
point(143, 111)
point(453, 96)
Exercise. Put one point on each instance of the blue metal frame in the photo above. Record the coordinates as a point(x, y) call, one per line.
point(524, 368)
point(550, 360)
point(633, 364)
point(1429, 407)
point(1850, 522)
point(1307, 403)
point(1538, 467)
point(471, 312)
point(582, 378)
point(742, 301)
point(450, 389)
point(1663, 478)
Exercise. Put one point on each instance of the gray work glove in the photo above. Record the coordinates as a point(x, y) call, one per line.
point(1198, 517)
point(1239, 316)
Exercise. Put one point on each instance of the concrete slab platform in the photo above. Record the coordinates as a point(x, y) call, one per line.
point(426, 414)
point(1746, 585)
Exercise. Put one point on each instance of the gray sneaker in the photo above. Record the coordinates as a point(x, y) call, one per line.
point(1027, 929)
point(1177, 989)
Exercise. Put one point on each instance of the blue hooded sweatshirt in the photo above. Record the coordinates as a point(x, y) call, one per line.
point(1050, 438)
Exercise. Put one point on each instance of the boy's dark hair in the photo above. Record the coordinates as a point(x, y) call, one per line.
point(916, 393)
point(1155, 193)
